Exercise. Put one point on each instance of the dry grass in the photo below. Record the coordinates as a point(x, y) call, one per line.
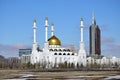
point(4, 74)
point(78, 73)
point(9, 73)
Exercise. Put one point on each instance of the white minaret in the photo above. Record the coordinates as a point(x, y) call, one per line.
point(34, 30)
point(46, 29)
point(34, 49)
point(81, 27)
point(46, 35)
point(82, 52)
point(52, 29)
point(34, 36)
point(81, 36)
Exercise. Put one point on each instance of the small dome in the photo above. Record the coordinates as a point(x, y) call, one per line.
point(54, 41)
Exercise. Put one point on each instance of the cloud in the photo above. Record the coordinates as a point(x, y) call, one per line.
point(12, 50)
point(112, 50)
point(110, 47)
point(107, 40)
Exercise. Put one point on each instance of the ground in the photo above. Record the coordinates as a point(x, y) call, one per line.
point(74, 75)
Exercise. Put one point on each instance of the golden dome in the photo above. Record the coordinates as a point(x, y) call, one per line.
point(54, 41)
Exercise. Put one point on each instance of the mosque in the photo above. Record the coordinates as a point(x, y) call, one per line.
point(53, 54)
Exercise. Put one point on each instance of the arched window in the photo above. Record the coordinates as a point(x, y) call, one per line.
point(64, 49)
point(51, 49)
point(72, 53)
point(68, 54)
point(55, 53)
point(60, 50)
point(55, 49)
point(60, 54)
point(68, 50)
point(64, 54)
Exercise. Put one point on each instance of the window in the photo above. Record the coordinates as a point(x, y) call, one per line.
point(72, 53)
point(64, 50)
point(55, 49)
point(60, 50)
point(68, 54)
point(51, 49)
point(64, 54)
point(55, 53)
point(68, 50)
point(60, 54)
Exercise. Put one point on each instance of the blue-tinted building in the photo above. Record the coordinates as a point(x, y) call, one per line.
point(24, 55)
point(24, 52)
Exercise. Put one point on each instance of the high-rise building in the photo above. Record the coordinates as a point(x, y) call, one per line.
point(95, 47)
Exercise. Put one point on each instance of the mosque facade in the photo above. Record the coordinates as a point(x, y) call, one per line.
point(53, 53)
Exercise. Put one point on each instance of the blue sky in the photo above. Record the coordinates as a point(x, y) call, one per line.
point(16, 22)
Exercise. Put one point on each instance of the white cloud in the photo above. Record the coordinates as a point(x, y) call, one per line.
point(105, 40)
point(112, 49)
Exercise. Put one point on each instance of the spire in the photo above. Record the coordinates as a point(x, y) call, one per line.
point(35, 21)
point(46, 29)
point(46, 22)
point(93, 19)
point(34, 29)
point(34, 24)
point(52, 29)
point(46, 18)
point(81, 21)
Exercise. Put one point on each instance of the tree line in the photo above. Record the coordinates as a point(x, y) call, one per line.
point(18, 65)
